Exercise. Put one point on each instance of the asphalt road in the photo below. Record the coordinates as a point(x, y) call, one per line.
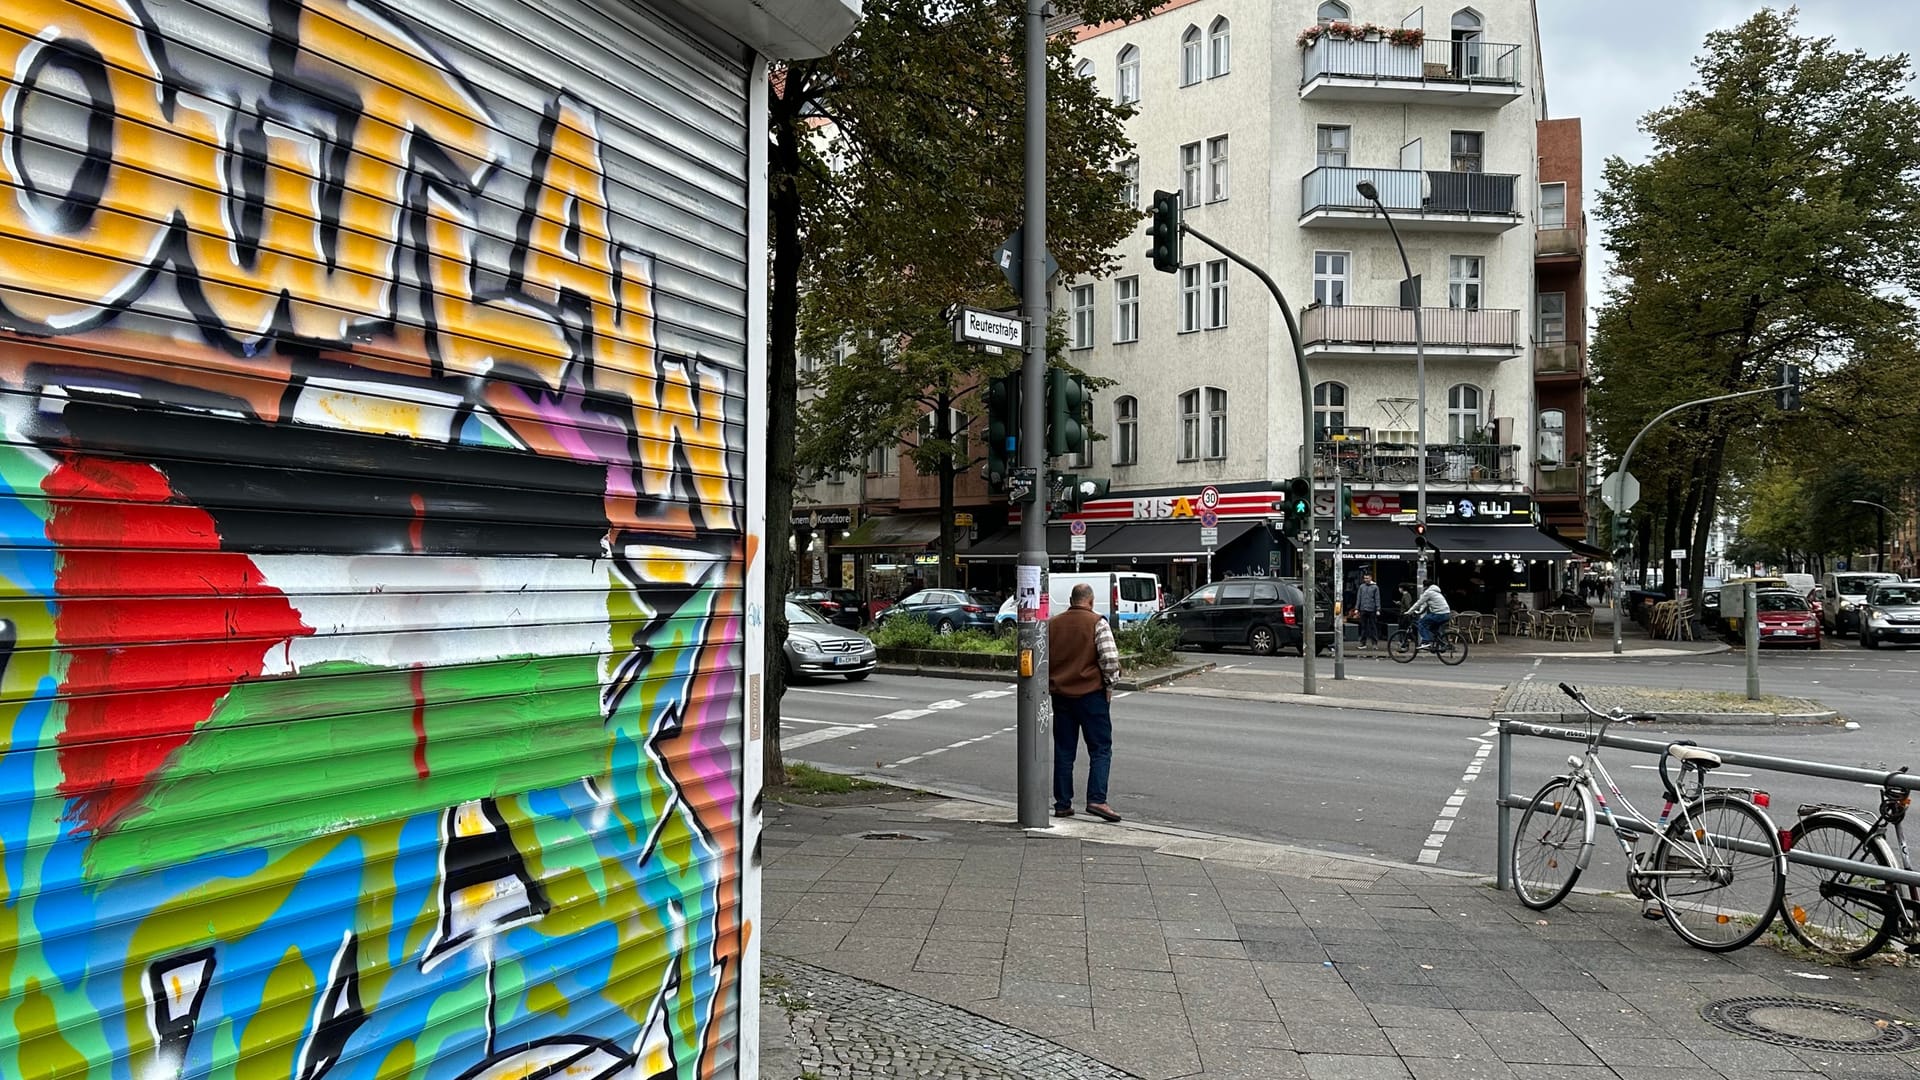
point(1351, 780)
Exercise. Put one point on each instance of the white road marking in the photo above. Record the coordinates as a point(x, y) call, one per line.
point(826, 723)
point(822, 735)
point(950, 746)
point(841, 693)
point(906, 714)
point(1443, 822)
point(988, 694)
point(947, 704)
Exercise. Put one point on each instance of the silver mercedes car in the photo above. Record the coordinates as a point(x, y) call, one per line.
point(817, 647)
point(1890, 615)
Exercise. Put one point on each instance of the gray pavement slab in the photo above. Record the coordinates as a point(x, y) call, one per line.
point(1131, 952)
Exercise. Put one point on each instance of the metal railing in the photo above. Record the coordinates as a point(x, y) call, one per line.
point(1398, 463)
point(1556, 241)
point(1484, 328)
point(1434, 60)
point(1559, 356)
point(1565, 478)
point(1410, 191)
point(1509, 802)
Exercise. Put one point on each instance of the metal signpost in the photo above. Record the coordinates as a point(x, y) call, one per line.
point(1077, 541)
point(1033, 732)
point(1209, 536)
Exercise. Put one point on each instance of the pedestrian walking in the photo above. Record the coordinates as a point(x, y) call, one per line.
point(1084, 663)
point(1368, 602)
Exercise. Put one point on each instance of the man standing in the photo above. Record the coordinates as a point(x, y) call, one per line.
point(1367, 601)
point(1083, 663)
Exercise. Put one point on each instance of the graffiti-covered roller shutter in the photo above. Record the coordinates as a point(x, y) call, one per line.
point(372, 379)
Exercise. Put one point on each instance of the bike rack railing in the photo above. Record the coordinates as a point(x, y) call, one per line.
point(1509, 802)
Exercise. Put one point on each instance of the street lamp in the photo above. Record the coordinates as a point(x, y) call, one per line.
point(1372, 194)
point(1880, 557)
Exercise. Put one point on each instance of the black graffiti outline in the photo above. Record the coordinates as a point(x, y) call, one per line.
point(75, 207)
point(173, 1032)
point(336, 1015)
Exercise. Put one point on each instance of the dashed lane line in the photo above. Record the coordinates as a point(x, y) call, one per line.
point(820, 735)
point(950, 746)
point(841, 693)
point(1449, 813)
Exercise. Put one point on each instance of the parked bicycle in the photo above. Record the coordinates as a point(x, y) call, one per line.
point(1716, 870)
point(1448, 644)
point(1843, 914)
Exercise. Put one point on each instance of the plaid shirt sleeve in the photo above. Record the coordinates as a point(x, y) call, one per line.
point(1106, 652)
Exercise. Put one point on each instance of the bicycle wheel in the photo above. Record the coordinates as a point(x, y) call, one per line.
point(1451, 648)
point(1846, 925)
point(1551, 843)
point(1402, 647)
point(1716, 894)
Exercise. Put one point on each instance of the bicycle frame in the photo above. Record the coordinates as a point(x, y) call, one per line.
point(1587, 765)
point(1901, 902)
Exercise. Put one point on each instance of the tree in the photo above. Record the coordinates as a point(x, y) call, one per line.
point(1778, 219)
point(895, 169)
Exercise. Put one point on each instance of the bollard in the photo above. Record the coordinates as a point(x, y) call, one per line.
point(1503, 818)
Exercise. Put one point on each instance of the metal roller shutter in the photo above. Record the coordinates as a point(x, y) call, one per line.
point(374, 504)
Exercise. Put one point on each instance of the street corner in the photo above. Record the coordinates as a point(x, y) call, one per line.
point(1540, 701)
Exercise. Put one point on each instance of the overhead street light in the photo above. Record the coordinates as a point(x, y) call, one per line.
point(1411, 295)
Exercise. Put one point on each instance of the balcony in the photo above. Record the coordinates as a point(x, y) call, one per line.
point(1420, 200)
point(1560, 243)
point(1438, 71)
point(1561, 357)
point(1363, 460)
point(1359, 333)
point(1567, 478)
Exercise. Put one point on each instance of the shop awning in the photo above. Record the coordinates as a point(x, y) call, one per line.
point(1377, 540)
point(1166, 539)
point(1491, 542)
point(1004, 546)
point(1585, 550)
point(892, 532)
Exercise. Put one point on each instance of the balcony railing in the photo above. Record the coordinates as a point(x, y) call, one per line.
point(1471, 328)
point(1435, 60)
point(1398, 463)
point(1559, 356)
point(1560, 241)
point(1412, 191)
point(1569, 478)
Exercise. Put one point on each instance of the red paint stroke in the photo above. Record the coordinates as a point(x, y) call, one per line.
point(112, 745)
point(416, 528)
point(416, 681)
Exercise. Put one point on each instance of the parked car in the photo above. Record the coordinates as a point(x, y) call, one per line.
point(1007, 618)
point(946, 610)
point(1891, 614)
point(1844, 592)
point(1786, 618)
point(842, 607)
point(818, 647)
point(1263, 614)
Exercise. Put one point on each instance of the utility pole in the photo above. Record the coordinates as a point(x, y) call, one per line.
point(1035, 708)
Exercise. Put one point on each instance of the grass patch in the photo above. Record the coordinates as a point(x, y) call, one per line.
point(906, 633)
point(803, 777)
point(1148, 644)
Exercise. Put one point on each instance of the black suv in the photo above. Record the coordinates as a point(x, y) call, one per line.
point(1264, 614)
point(841, 607)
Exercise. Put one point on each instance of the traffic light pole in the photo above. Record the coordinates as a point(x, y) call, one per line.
point(1035, 712)
point(1309, 631)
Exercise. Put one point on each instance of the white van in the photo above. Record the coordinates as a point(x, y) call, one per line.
point(1120, 597)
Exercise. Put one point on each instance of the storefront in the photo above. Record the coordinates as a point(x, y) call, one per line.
point(1481, 549)
point(817, 533)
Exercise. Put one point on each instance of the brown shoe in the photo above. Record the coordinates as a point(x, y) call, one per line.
point(1063, 811)
point(1102, 811)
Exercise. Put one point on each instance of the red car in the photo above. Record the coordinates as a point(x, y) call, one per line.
point(1786, 618)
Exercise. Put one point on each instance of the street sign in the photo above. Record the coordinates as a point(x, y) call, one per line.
point(1208, 519)
point(1678, 554)
point(1209, 537)
point(1020, 486)
point(1077, 542)
point(1008, 259)
point(1620, 491)
point(972, 326)
point(1209, 497)
point(1076, 527)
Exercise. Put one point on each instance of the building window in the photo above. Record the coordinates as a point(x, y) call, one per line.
point(1084, 69)
point(1130, 183)
point(1329, 409)
point(880, 462)
point(1190, 175)
point(1463, 281)
point(1464, 417)
point(956, 431)
point(1128, 90)
point(1553, 437)
point(1553, 206)
point(1552, 322)
point(1082, 317)
point(1467, 50)
point(1330, 278)
point(1216, 447)
point(1203, 435)
point(1466, 151)
point(1333, 141)
point(1217, 168)
point(1189, 299)
point(1192, 65)
point(1126, 309)
point(1219, 48)
point(1126, 431)
point(1332, 12)
point(1216, 294)
point(1190, 426)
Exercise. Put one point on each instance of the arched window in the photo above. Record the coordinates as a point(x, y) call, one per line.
point(1126, 430)
point(1219, 48)
point(1192, 69)
point(1465, 416)
point(1329, 409)
point(1467, 51)
point(1332, 12)
point(1128, 89)
point(1553, 438)
point(1084, 69)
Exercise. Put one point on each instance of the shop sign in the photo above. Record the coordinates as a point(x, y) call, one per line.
point(1466, 509)
point(815, 517)
point(1163, 507)
point(1375, 504)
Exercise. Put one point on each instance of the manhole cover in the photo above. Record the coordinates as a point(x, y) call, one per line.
point(1811, 1024)
point(892, 836)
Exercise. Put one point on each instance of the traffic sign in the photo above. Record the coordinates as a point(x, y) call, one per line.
point(1678, 554)
point(1208, 519)
point(1077, 542)
point(1620, 491)
point(1209, 537)
point(1076, 528)
point(972, 326)
point(1008, 258)
point(1209, 497)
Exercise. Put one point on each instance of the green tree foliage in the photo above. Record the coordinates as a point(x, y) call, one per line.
point(1778, 219)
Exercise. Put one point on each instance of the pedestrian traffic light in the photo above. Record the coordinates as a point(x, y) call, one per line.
point(1419, 534)
point(1297, 508)
point(1165, 232)
point(1066, 413)
point(1078, 491)
point(1787, 388)
point(1003, 427)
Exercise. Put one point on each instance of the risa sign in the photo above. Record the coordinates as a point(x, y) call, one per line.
point(1161, 507)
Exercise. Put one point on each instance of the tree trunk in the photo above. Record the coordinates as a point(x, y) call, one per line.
point(1709, 506)
point(950, 466)
point(1688, 576)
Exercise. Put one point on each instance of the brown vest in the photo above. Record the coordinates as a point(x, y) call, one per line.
point(1073, 661)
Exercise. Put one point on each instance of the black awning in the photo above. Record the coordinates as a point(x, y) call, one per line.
point(892, 532)
point(1004, 545)
point(1491, 542)
point(1164, 539)
point(1377, 540)
point(1585, 550)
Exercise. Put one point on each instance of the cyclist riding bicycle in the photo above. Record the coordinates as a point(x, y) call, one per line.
point(1434, 612)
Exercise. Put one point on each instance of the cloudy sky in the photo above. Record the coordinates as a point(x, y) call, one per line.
point(1609, 62)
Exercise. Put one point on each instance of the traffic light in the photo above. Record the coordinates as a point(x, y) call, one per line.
point(1165, 232)
point(1003, 428)
point(1066, 413)
point(1078, 491)
point(1297, 509)
point(1419, 534)
point(1787, 380)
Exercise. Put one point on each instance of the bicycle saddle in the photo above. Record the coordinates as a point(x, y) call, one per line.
point(1694, 756)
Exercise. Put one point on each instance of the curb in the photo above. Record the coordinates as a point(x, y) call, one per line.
point(1160, 678)
point(1829, 716)
point(1461, 712)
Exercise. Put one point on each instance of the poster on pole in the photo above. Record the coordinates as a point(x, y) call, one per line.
point(1030, 600)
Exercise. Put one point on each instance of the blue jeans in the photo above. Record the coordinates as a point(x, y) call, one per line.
point(1074, 717)
point(1430, 625)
